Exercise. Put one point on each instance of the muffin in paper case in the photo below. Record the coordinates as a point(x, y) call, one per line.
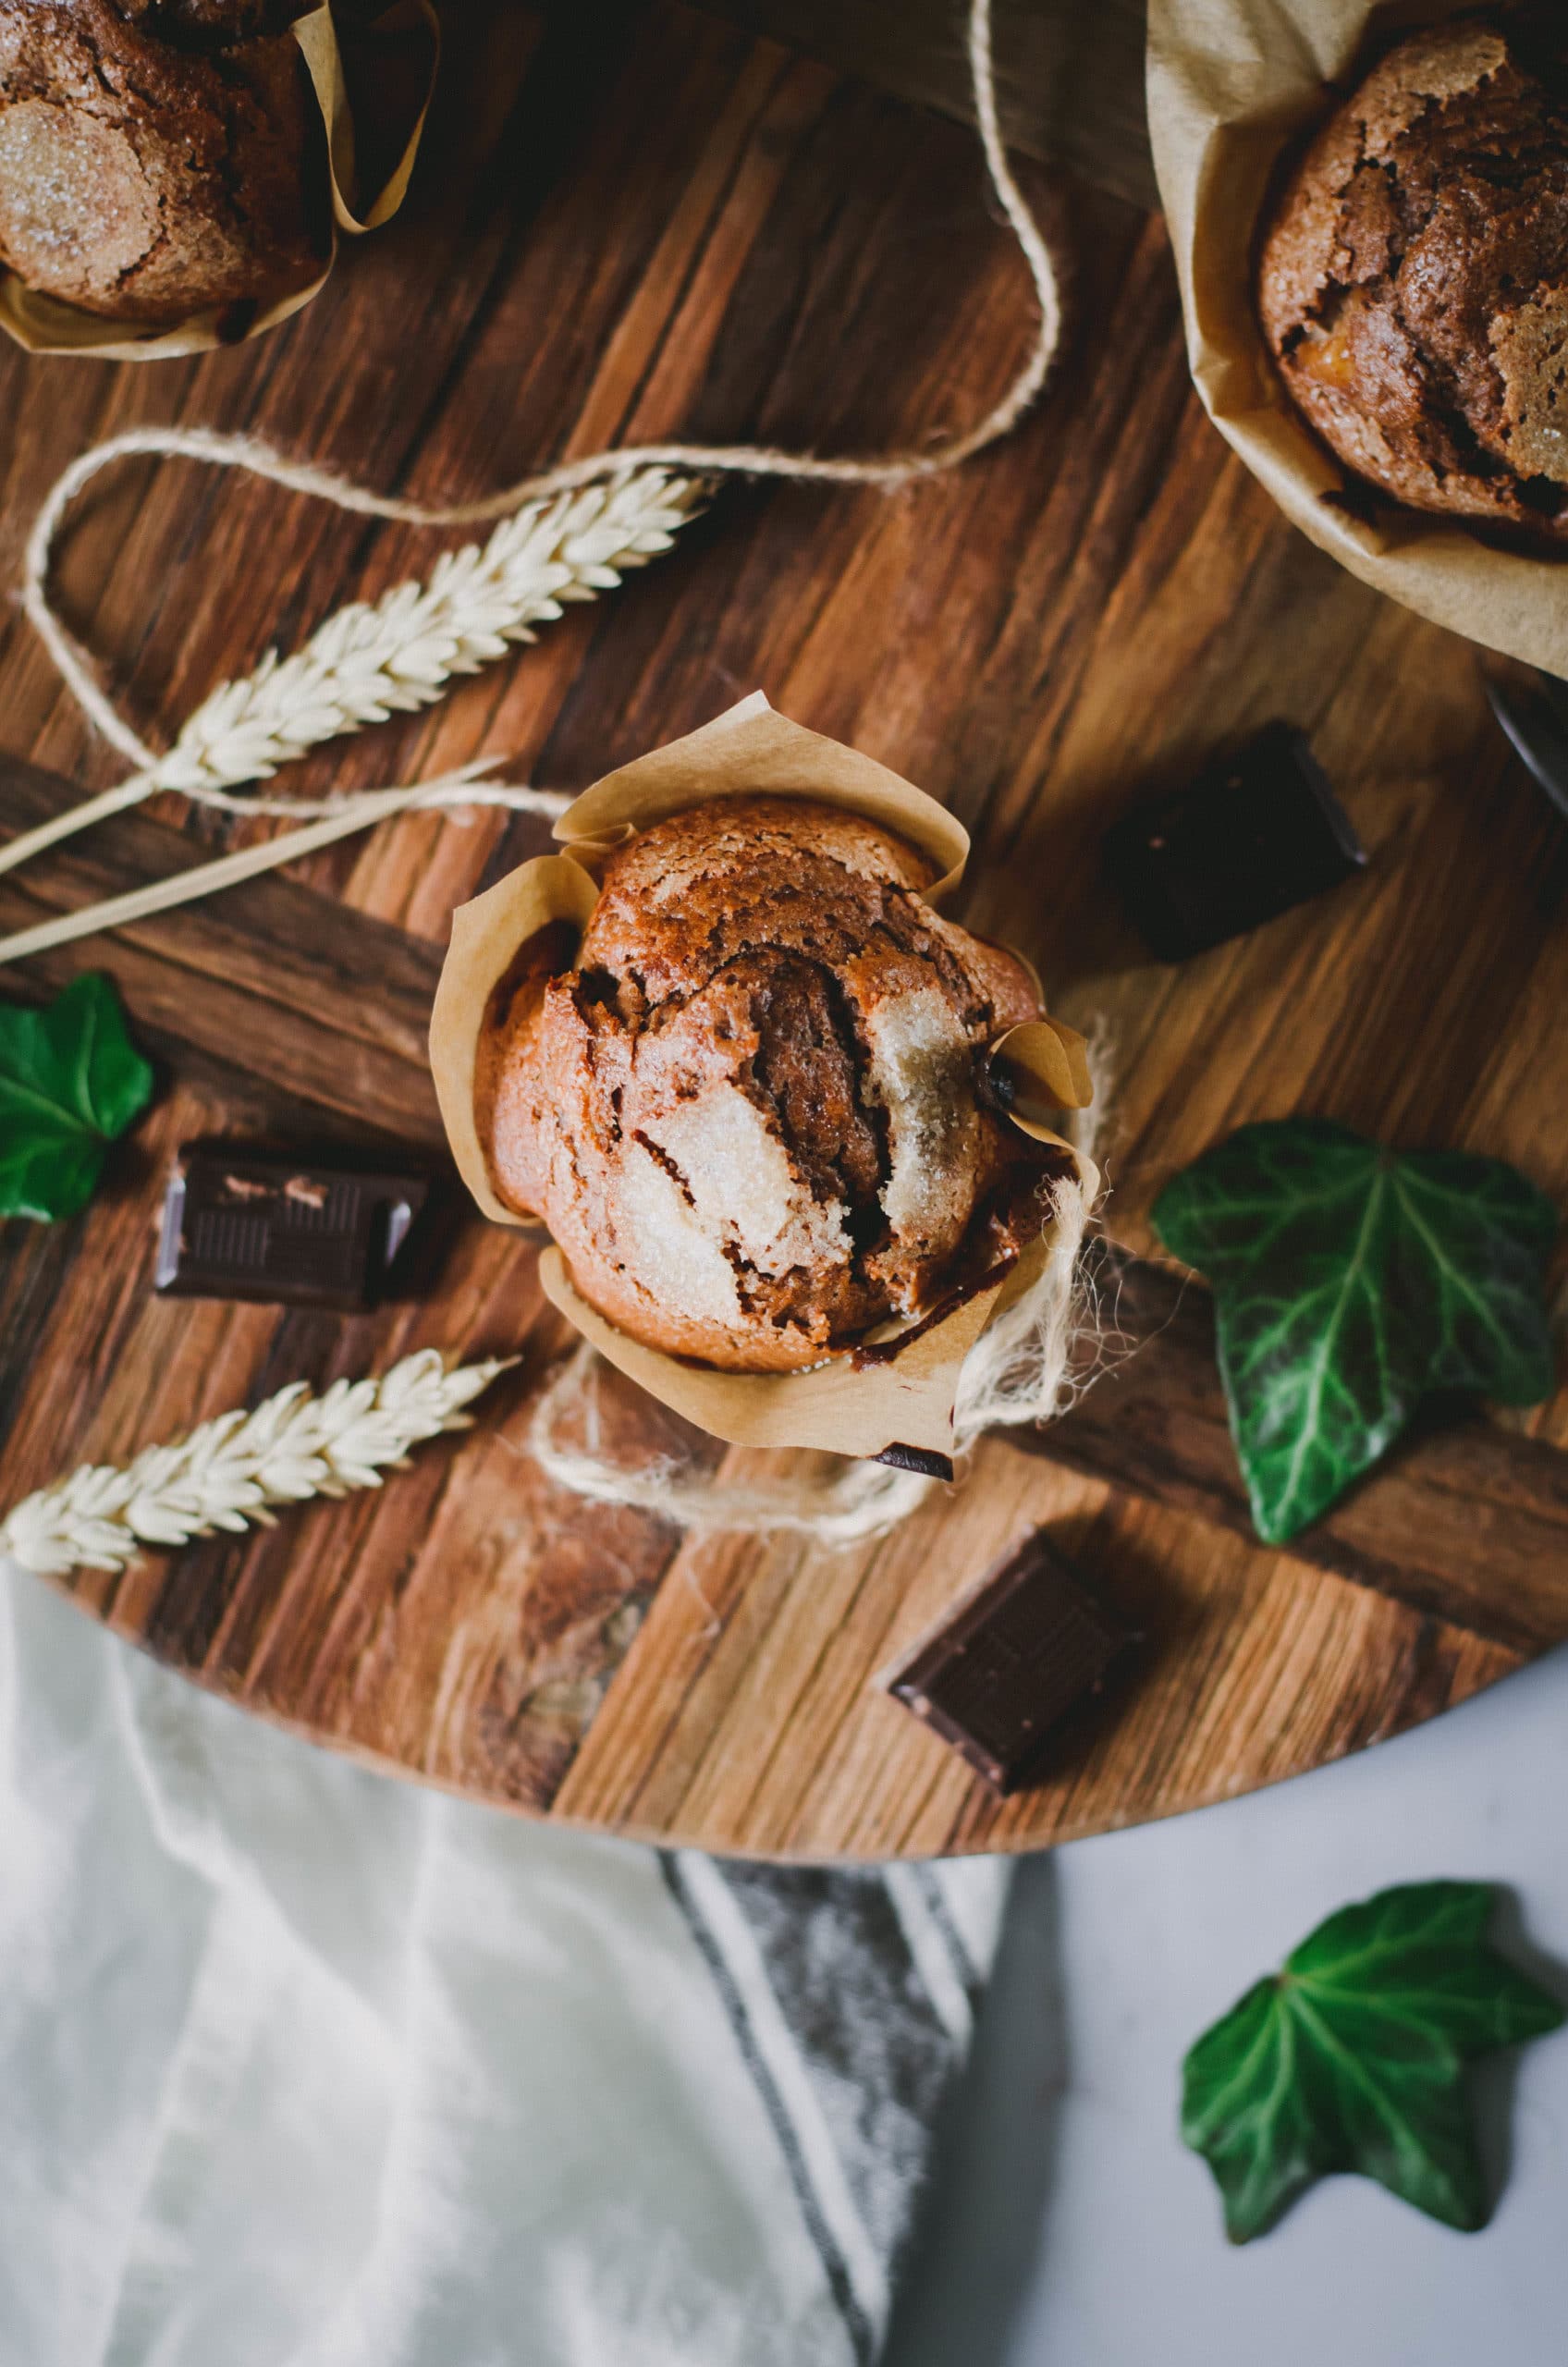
point(905, 1397)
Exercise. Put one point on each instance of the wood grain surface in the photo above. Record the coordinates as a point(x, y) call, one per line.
point(632, 220)
point(1070, 78)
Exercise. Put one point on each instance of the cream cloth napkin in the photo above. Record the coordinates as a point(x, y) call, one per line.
point(301, 2067)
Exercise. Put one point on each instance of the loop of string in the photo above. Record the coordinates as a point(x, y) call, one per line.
point(1021, 1370)
point(248, 454)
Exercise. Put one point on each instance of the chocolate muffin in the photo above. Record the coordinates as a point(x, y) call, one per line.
point(158, 157)
point(753, 1115)
point(1414, 281)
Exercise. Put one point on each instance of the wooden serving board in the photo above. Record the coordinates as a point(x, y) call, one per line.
point(632, 221)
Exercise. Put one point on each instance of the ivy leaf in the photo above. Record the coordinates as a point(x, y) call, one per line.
point(1353, 2058)
point(1350, 1283)
point(70, 1081)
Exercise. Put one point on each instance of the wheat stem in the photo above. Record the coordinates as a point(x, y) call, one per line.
point(339, 819)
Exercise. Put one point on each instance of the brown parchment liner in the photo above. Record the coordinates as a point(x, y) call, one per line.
point(750, 748)
point(47, 324)
point(1231, 83)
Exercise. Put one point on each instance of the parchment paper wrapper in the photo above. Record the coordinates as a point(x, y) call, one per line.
point(346, 60)
point(908, 1401)
point(1230, 84)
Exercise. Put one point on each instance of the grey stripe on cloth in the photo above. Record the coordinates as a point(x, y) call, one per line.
point(697, 1889)
point(940, 1961)
point(852, 1994)
point(937, 1883)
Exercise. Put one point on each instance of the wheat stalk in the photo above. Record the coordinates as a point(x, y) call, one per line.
point(566, 536)
point(371, 660)
point(374, 659)
point(232, 1470)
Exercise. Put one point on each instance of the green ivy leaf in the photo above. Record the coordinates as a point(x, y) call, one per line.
point(70, 1081)
point(1350, 1283)
point(1353, 2058)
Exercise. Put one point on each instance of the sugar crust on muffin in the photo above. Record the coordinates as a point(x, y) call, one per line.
point(750, 1113)
point(156, 160)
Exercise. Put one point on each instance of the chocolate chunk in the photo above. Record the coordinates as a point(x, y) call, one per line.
point(1025, 1647)
point(247, 1224)
point(887, 1352)
point(1251, 838)
point(923, 1459)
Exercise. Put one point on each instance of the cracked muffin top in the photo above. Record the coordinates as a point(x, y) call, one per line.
point(752, 1115)
point(1413, 280)
point(158, 157)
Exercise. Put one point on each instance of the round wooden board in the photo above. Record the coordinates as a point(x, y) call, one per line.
point(1081, 616)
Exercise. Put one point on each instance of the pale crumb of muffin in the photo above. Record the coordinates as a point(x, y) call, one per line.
point(922, 1073)
point(737, 1180)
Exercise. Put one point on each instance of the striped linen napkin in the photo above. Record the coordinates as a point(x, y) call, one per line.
point(300, 2066)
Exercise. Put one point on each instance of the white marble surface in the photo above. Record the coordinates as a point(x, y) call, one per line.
point(1070, 2229)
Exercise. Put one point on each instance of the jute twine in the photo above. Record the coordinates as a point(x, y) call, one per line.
point(631, 499)
point(651, 473)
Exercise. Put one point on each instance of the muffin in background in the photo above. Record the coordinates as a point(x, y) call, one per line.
point(753, 1115)
point(1413, 283)
point(158, 158)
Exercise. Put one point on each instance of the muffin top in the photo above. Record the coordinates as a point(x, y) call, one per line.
point(156, 155)
point(1413, 280)
point(749, 1114)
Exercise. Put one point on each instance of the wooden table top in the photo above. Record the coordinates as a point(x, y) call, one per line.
point(637, 220)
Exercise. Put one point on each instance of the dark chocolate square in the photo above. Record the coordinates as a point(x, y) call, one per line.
point(242, 1223)
point(1255, 835)
point(1029, 1644)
